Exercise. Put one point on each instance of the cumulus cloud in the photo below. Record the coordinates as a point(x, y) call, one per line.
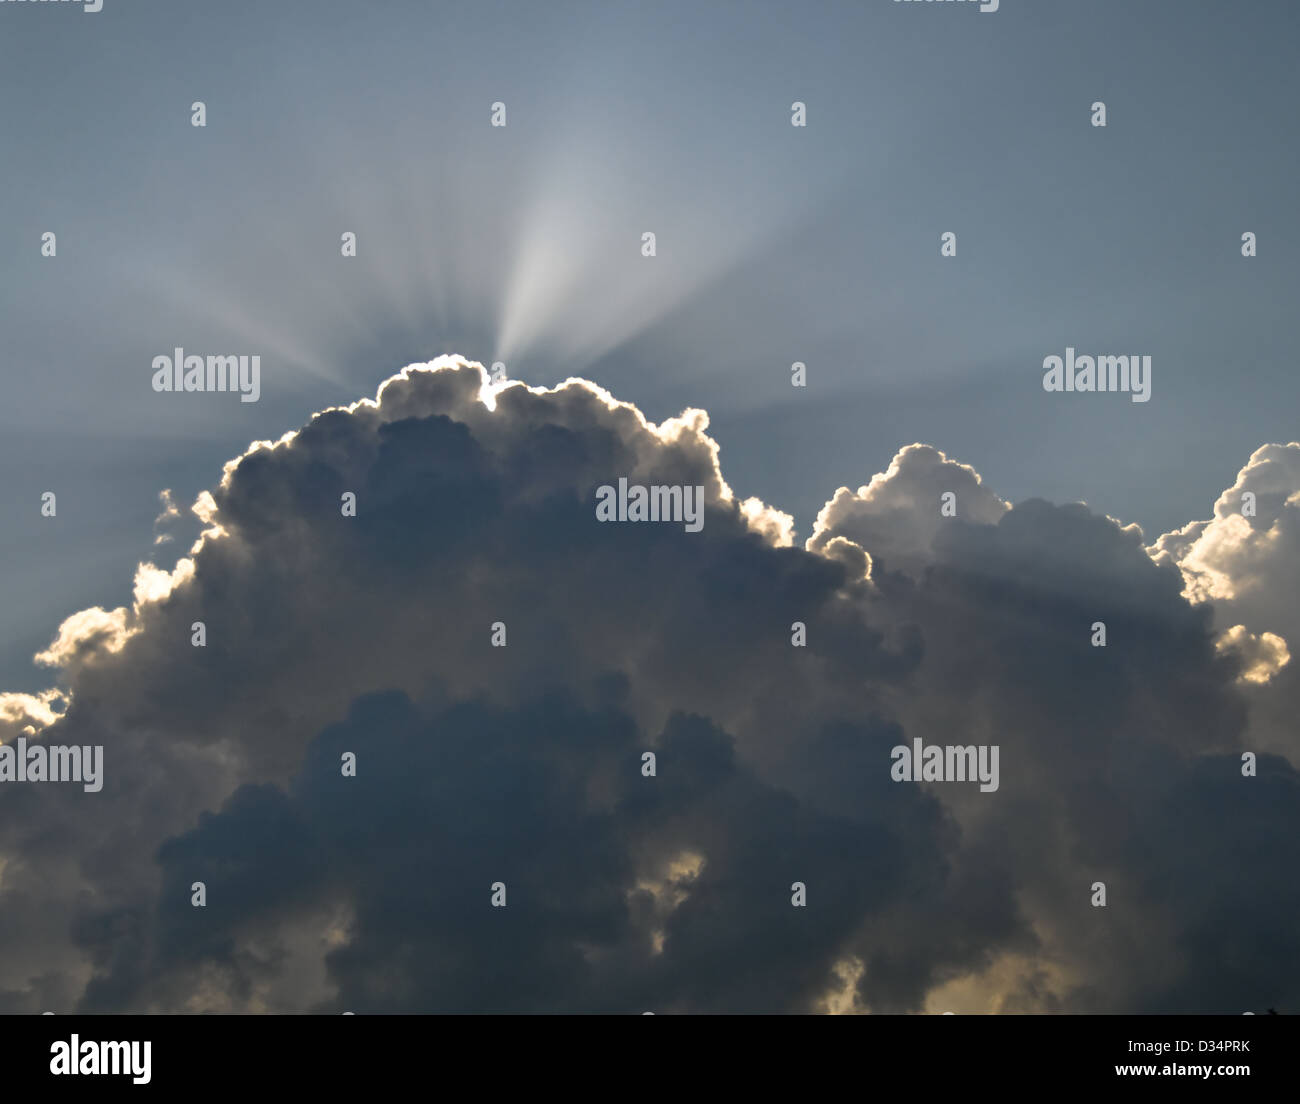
point(897, 515)
point(29, 714)
point(1245, 558)
point(1244, 565)
point(1263, 655)
point(328, 634)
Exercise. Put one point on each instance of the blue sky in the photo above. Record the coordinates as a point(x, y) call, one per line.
point(776, 244)
point(771, 678)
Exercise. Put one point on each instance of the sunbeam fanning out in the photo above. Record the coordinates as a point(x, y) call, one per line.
point(603, 255)
point(594, 506)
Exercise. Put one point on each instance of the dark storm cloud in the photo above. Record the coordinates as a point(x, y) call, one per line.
point(548, 799)
point(1108, 753)
point(371, 634)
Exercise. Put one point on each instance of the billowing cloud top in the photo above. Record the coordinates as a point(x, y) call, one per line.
point(327, 635)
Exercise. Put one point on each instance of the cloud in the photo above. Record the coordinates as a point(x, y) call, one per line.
point(29, 713)
point(1243, 565)
point(897, 515)
point(1262, 655)
point(170, 513)
point(1244, 558)
point(84, 634)
point(328, 634)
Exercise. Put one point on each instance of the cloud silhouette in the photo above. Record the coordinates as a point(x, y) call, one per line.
point(372, 635)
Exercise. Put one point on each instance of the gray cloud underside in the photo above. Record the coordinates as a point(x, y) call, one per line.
point(328, 634)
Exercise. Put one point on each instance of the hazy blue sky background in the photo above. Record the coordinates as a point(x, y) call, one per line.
point(775, 244)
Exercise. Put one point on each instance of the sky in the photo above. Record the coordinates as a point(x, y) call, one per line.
point(774, 244)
